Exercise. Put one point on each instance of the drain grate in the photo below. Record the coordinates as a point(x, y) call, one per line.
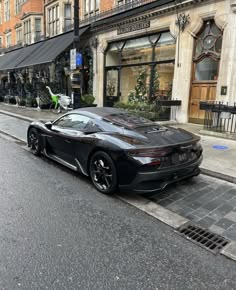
point(203, 237)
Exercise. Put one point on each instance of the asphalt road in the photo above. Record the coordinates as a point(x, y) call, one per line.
point(57, 232)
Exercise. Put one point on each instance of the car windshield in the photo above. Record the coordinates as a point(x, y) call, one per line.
point(127, 120)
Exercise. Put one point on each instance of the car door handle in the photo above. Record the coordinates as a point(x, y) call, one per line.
point(67, 141)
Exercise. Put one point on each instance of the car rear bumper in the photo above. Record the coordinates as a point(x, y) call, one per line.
point(154, 181)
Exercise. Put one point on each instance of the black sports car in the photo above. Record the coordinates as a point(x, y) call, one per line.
point(117, 149)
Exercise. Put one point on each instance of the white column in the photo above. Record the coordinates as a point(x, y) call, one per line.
point(182, 74)
point(228, 59)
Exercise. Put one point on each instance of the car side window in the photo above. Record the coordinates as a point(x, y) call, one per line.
point(73, 121)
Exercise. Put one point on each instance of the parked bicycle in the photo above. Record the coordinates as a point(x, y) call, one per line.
point(59, 102)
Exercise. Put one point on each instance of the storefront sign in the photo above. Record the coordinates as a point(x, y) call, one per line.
point(133, 27)
point(73, 59)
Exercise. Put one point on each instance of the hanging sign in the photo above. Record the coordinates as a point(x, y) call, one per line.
point(73, 59)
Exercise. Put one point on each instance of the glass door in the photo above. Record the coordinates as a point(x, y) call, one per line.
point(112, 87)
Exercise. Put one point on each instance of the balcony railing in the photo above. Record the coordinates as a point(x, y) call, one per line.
point(115, 10)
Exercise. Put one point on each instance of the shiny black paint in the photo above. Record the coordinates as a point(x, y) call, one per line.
point(75, 148)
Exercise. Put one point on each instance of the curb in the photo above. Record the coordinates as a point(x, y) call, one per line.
point(218, 175)
point(24, 118)
point(169, 218)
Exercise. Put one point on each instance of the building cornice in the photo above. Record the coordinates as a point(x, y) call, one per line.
point(148, 15)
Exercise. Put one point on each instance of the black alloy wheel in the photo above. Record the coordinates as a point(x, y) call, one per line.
point(103, 172)
point(34, 142)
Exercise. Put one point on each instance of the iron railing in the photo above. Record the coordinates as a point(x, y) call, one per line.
point(115, 10)
point(219, 116)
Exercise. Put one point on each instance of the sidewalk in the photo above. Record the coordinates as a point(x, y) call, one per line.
point(219, 154)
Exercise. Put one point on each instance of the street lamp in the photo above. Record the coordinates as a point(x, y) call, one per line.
point(76, 75)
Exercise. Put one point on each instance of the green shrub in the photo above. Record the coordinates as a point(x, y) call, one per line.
point(87, 99)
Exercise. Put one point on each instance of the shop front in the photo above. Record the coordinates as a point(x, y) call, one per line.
point(139, 69)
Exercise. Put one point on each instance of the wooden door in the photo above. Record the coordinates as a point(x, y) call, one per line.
point(200, 91)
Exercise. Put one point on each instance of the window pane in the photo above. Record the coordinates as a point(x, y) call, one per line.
point(73, 121)
point(163, 79)
point(137, 86)
point(67, 11)
point(136, 51)
point(165, 48)
point(97, 4)
point(112, 56)
point(207, 69)
point(112, 83)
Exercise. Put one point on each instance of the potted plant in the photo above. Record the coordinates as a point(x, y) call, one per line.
point(88, 101)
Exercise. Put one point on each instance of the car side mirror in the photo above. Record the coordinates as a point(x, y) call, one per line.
point(92, 129)
point(48, 125)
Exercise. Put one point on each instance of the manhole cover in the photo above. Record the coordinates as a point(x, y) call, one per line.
point(203, 237)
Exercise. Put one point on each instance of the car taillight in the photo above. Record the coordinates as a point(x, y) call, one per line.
point(152, 153)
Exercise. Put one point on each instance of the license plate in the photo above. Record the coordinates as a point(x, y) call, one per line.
point(183, 157)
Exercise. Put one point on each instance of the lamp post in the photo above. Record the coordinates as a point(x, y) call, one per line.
point(76, 75)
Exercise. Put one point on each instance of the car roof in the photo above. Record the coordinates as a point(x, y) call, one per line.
point(98, 111)
point(114, 115)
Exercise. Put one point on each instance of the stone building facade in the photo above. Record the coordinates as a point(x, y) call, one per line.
point(198, 63)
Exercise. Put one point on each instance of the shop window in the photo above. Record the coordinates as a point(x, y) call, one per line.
point(137, 51)
point(135, 82)
point(206, 70)
point(112, 56)
point(165, 47)
point(142, 68)
point(112, 83)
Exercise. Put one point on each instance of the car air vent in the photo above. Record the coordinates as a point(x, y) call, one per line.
point(203, 237)
point(156, 130)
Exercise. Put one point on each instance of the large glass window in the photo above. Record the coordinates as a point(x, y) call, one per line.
point(141, 68)
point(165, 48)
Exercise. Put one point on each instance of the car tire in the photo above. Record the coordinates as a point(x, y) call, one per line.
point(34, 141)
point(103, 172)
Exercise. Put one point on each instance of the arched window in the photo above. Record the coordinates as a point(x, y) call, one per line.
point(207, 52)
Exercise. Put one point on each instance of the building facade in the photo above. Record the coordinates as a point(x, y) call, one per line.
point(190, 45)
point(132, 50)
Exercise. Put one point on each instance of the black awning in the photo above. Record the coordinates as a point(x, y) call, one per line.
point(50, 49)
point(38, 53)
point(7, 58)
point(23, 54)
